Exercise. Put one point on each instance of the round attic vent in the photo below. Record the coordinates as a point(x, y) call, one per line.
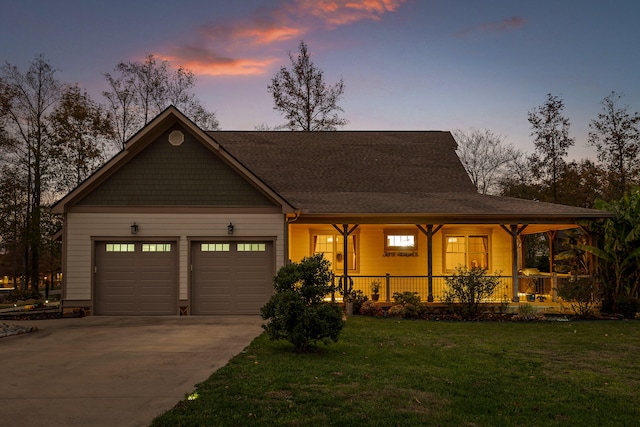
point(176, 138)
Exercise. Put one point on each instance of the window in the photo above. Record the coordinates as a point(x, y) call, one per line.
point(120, 247)
point(332, 247)
point(467, 251)
point(251, 247)
point(156, 247)
point(215, 247)
point(400, 241)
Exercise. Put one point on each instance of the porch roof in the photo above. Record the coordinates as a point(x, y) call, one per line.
point(380, 176)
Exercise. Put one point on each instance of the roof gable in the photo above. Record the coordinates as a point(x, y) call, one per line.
point(406, 175)
point(188, 174)
point(362, 175)
point(351, 161)
point(152, 171)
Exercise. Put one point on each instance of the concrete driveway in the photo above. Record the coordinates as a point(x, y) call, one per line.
point(112, 371)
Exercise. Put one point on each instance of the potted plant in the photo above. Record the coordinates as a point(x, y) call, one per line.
point(375, 290)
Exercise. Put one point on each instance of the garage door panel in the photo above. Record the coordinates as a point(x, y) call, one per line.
point(249, 307)
point(119, 289)
point(120, 308)
point(236, 279)
point(155, 308)
point(152, 290)
point(130, 280)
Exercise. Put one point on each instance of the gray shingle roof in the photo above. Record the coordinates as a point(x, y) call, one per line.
point(360, 172)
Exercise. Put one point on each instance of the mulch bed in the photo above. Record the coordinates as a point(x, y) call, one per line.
point(35, 314)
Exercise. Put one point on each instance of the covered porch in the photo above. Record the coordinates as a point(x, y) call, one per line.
point(412, 256)
point(540, 292)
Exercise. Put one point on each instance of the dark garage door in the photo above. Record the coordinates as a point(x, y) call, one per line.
point(231, 277)
point(136, 278)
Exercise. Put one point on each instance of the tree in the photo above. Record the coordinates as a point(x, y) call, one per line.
point(297, 311)
point(518, 181)
point(80, 128)
point(485, 157)
point(5, 99)
point(616, 136)
point(13, 194)
point(551, 131)
point(141, 90)
point(304, 98)
point(618, 249)
point(31, 97)
point(581, 183)
point(121, 104)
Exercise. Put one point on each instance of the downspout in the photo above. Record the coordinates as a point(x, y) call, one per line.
point(288, 221)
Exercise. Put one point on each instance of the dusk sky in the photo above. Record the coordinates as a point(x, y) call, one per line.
point(406, 64)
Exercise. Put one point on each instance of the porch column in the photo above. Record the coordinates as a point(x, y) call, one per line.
point(514, 231)
point(551, 235)
point(429, 232)
point(346, 232)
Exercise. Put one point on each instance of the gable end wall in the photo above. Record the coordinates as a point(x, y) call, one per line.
point(186, 175)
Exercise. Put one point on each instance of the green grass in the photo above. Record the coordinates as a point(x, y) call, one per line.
point(385, 372)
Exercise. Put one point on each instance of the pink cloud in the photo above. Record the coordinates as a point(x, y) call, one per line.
point(343, 12)
point(205, 62)
point(495, 27)
point(238, 48)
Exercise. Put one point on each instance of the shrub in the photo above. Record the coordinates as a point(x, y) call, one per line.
point(370, 308)
point(407, 305)
point(526, 312)
point(397, 310)
point(405, 298)
point(467, 289)
point(297, 311)
point(358, 298)
point(20, 295)
point(581, 293)
point(628, 307)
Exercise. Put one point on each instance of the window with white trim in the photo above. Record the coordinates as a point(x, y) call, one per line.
point(468, 251)
point(401, 242)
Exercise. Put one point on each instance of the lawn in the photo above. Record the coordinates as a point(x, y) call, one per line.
point(388, 372)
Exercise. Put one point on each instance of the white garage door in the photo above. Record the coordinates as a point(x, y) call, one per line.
point(231, 277)
point(136, 278)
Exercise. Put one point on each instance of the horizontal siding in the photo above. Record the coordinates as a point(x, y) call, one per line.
point(372, 254)
point(83, 227)
point(373, 261)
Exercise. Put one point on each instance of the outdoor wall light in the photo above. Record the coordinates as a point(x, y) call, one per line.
point(134, 228)
point(230, 228)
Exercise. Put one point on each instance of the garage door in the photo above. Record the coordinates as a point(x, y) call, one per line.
point(231, 277)
point(136, 278)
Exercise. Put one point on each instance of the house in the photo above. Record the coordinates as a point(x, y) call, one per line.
point(184, 221)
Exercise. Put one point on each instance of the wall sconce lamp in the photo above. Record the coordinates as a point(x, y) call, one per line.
point(134, 228)
point(230, 228)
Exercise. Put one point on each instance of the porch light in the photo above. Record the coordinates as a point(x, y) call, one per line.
point(230, 228)
point(134, 228)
